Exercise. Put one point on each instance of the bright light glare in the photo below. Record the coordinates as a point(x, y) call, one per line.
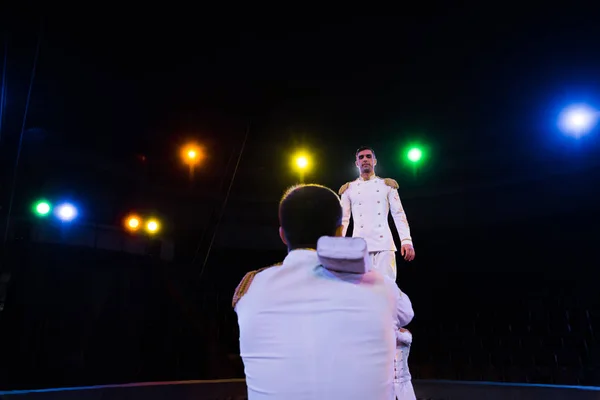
point(66, 212)
point(415, 154)
point(191, 154)
point(132, 223)
point(42, 208)
point(301, 162)
point(152, 226)
point(577, 120)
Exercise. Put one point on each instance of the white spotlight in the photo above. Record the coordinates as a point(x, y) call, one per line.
point(66, 212)
point(577, 120)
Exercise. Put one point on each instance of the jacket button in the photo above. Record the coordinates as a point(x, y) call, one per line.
point(380, 225)
point(378, 213)
point(380, 236)
point(378, 190)
point(378, 201)
point(361, 226)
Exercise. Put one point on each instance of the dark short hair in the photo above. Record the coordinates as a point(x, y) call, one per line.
point(307, 212)
point(363, 148)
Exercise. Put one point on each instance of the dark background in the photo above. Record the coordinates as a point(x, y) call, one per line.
point(504, 211)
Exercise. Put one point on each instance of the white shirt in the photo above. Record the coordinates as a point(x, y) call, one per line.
point(307, 333)
point(369, 202)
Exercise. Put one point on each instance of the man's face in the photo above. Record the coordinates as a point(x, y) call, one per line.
point(365, 161)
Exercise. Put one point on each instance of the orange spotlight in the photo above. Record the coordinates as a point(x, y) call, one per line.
point(192, 154)
point(133, 223)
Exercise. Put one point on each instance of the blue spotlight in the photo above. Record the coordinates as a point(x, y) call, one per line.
point(577, 120)
point(66, 212)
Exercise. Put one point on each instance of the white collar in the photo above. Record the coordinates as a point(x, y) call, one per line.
point(371, 178)
point(300, 254)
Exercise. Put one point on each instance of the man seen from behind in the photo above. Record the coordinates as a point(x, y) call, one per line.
point(307, 332)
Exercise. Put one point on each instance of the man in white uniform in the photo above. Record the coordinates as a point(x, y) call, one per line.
point(312, 334)
point(369, 199)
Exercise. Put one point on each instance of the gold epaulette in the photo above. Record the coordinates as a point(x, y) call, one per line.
point(344, 187)
point(244, 285)
point(391, 183)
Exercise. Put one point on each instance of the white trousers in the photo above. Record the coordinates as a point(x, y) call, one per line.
point(405, 391)
point(384, 262)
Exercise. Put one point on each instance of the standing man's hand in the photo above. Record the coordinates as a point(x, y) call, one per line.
point(408, 252)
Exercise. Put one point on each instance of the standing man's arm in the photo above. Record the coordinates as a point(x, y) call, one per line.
point(346, 207)
point(399, 216)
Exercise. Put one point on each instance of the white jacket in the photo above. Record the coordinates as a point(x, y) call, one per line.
point(310, 333)
point(369, 202)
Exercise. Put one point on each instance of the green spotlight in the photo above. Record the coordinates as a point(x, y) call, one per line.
point(42, 208)
point(414, 155)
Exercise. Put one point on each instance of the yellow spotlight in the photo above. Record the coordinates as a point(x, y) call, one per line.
point(301, 162)
point(133, 222)
point(152, 226)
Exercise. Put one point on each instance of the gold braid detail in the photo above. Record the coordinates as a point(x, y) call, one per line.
point(244, 285)
point(391, 183)
point(343, 188)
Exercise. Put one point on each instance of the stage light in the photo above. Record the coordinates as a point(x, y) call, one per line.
point(577, 120)
point(66, 212)
point(133, 223)
point(191, 154)
point(301, 161)
point(42, 208)
point(414, 154)
point(152, 226)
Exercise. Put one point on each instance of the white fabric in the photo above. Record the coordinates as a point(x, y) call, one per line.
point(370, 202)
point(405, 391)
point(403, 338)
point(343, 254)
point(384, 262)
point(307, 333)
point(402, 379)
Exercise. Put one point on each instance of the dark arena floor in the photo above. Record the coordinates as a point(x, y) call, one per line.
point(235, 389)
